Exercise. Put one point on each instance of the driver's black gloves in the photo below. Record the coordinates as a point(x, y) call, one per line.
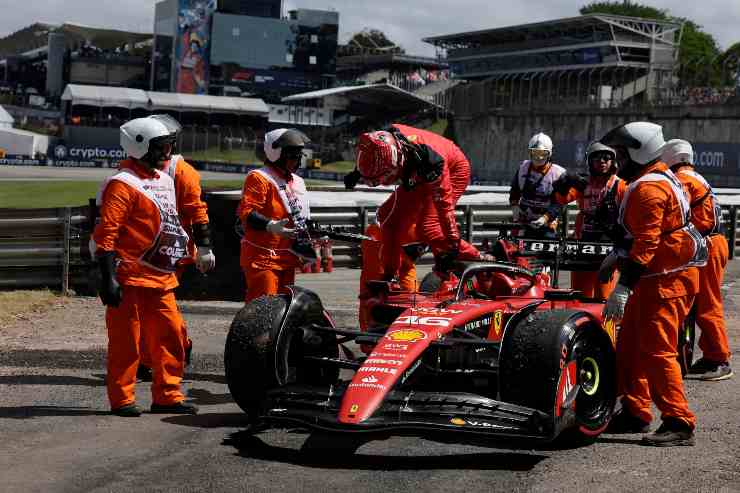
point(109, 289)
point(351, 179)
point(445, 261)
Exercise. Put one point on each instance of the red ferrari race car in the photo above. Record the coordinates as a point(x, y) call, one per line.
point(494, 350)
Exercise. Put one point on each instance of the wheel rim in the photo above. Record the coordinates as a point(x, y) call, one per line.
point(590, 376)
point(595, 362)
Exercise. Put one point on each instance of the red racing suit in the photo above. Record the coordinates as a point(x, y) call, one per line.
point(434, 178)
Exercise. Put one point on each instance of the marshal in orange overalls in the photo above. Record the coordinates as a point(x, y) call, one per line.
point(588, 226)
point(129, 225)
point(268, 264)
point(646, 349)
point(709, 311)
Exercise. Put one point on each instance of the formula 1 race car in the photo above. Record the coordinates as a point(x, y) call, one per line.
point(493, 351)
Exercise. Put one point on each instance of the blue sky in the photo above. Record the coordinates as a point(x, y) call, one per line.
point(405, 22)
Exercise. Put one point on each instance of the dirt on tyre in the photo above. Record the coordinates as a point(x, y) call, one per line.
point(550, 356)
point(264, 352)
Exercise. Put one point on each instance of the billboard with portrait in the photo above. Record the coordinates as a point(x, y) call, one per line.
point(192, 46)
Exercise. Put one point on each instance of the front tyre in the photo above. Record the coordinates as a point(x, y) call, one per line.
point(560, 362)
point(264, 352)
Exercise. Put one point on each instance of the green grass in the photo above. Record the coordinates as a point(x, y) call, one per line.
point(439, 126)
point(47, 194)
point(237, 156)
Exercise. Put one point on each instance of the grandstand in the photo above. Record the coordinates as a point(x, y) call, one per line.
point(591, 60)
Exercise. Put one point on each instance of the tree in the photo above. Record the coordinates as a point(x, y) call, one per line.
point(624, 8)
point(697, 46)
point(373, 40)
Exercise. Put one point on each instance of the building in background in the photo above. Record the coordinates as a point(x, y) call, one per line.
point(237, 47)
point(603, 60)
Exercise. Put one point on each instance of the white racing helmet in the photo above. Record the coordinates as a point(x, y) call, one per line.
point(677, 151)
point(140, 136)
point(540, 147)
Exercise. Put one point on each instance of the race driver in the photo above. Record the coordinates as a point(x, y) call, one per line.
point(706, 215)
point(273, 211)
point(193, 213)
point(139, 240)
point(433, 174)
point(597, 196)
point(656, 287)
point(531, 194)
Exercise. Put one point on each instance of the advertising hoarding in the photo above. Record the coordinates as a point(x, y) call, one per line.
point(192, 45)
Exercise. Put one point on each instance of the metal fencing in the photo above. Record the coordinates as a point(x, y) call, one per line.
point(49, 247)
point(44, 248)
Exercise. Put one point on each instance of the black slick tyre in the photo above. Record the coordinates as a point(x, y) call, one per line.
point(548, 354)
point(263, 353)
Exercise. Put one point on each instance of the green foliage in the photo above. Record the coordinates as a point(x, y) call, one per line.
point(626, 7)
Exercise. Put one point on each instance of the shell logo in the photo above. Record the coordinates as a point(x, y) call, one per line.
point(405, 335)
point(354, 408)
point(458, 421)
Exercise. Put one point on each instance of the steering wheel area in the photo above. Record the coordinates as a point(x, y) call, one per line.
point(488, 280)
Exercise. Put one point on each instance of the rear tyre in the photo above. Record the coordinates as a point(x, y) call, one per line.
point(551, 351)
point(259, 356)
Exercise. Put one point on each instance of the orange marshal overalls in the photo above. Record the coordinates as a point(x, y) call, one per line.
point(265, 258)
point(589, 202)
point(647, 362)
point(191, 210)
point(706, 216)
point(129, 224)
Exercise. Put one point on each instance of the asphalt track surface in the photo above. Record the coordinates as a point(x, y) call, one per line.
point(57, 435)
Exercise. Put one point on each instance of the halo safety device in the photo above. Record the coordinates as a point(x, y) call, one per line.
point(379, 158)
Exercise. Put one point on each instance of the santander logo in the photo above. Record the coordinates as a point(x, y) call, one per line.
point(370, 379)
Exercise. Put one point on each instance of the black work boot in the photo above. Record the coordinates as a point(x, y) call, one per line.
point(127, 411)
point(624, 422)
point(143, 373)
point(181, 407)
point(671, 433)
point(188, 352)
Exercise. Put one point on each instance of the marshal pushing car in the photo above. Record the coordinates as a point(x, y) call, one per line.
point(493, 350)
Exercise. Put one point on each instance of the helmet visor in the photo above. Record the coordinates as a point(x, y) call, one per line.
point(539, 154)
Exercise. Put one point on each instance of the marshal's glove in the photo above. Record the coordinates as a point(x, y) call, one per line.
point(205, 260)
point(540, 222)
point(278, 228)
point(109, 290)
point(616, 302)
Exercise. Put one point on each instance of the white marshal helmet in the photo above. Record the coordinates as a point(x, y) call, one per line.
point(138, 133)
point(541, 142)
point(643, 141)
point(677, 151)
point(281, 138)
